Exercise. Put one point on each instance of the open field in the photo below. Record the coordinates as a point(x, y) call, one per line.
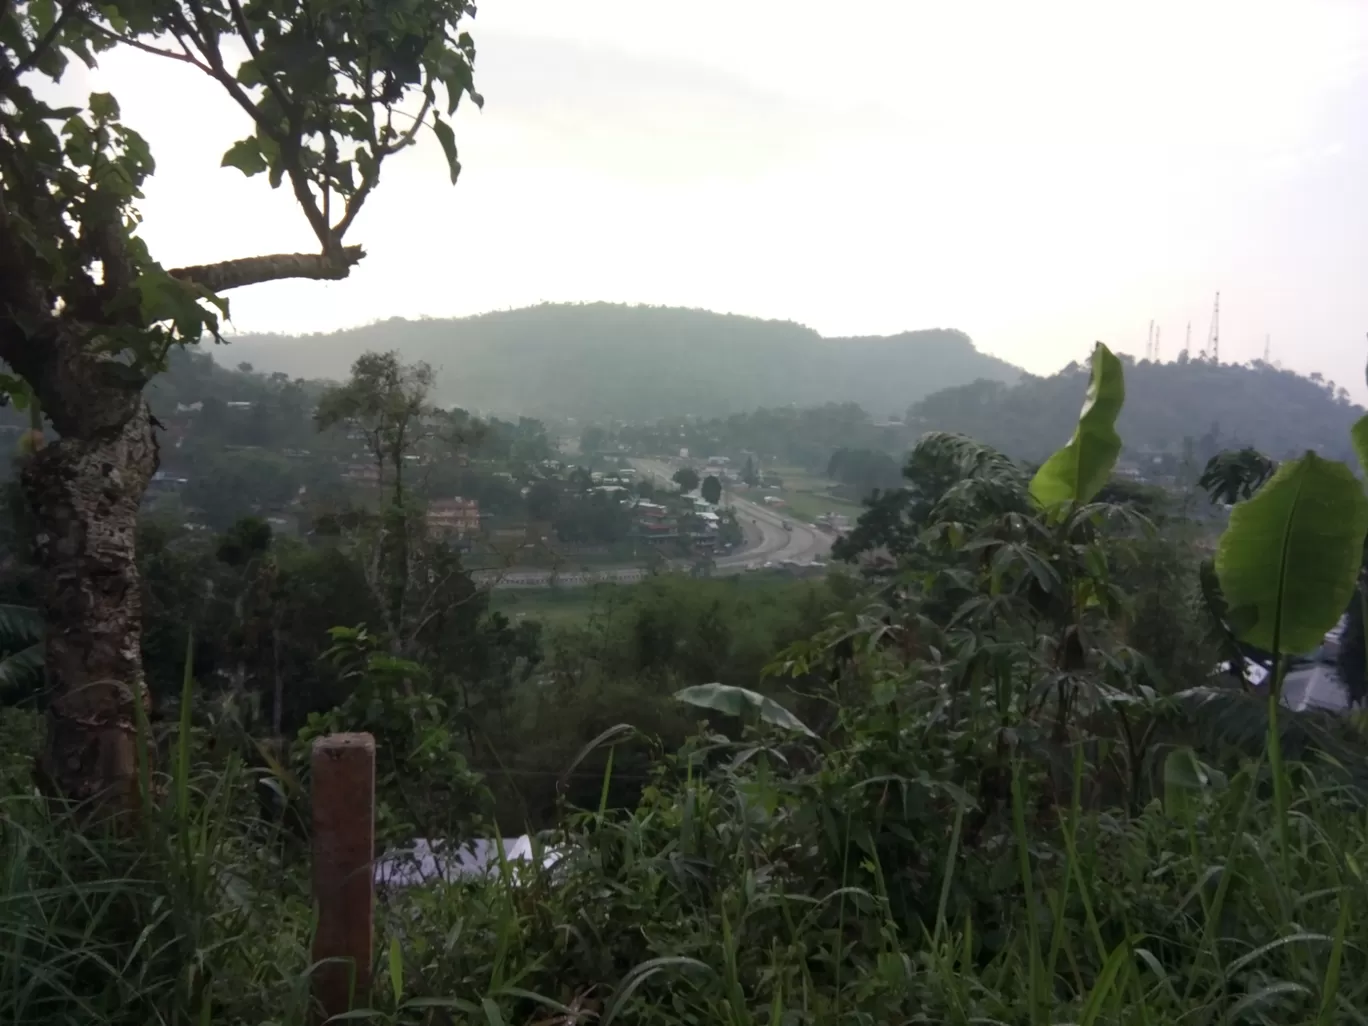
point(807, 498)
point(621, 554)
point(558, 607)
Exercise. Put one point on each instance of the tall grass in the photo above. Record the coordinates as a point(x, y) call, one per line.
point(739, 892)
point(190, 917)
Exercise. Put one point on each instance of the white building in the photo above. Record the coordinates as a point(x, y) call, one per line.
point(440, 862)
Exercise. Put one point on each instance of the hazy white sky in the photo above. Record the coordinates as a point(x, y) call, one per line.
point(1039, 175)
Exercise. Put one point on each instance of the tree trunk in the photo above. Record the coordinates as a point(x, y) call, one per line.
point(85, 492)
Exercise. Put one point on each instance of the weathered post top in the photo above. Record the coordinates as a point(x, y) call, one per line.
point(342, 742)
point(343, 777)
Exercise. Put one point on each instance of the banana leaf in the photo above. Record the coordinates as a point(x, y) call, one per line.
point(20, 626)
point(1290, 557)
point(1077, 472)
point(21, 675)
point(21, 670)
point(734, 701)
point(1358, 434)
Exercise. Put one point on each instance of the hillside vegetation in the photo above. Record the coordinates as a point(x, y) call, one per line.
point(1002, 761)
point(989, 779)
point(606, 361)
point(1187, 411)
point(1218, 406)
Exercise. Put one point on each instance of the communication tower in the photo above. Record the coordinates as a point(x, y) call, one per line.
point(1214, 340)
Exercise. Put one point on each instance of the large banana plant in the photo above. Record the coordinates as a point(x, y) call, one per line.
point(1287, 565)
point(21, 653)
point(1077, 472)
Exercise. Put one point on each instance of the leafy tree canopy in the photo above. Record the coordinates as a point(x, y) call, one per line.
point(686, 478)
point(863, 471)
point(1235, 475)
point(712, 489)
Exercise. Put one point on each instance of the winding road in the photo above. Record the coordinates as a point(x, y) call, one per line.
point(768, 541)
point(775, 544)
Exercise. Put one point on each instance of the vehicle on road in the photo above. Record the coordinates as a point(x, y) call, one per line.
point(787, 526)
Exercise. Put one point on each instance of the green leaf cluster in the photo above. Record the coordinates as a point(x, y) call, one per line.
point(331, 89)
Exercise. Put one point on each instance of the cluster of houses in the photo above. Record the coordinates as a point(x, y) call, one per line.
point(454, 517)
point(675, 521)
point(698, 523)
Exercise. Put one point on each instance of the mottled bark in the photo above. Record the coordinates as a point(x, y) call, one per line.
point(85, 489)
point(236, 274)
point(85, 493)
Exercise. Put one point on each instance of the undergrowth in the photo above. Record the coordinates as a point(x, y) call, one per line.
point(761, 880)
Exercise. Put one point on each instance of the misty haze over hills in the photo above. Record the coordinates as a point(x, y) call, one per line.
point(601, 360)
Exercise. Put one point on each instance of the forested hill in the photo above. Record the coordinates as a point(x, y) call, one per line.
point(603, 361)
point(1217, 406)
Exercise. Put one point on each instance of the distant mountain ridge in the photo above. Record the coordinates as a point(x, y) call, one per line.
point(598, 361)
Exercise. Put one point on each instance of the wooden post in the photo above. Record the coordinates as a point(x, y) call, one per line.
point(343, 770)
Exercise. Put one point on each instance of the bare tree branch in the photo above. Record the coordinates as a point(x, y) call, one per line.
point(234, 274)
point(185, 57)
point(383, 150)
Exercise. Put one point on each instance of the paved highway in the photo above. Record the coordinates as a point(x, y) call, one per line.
point(768, 541)
point(775, 543)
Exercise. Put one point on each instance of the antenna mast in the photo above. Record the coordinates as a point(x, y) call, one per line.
point(1156, 345)
point(1187, 341)
point(1149, 343)
point(1214, 342)
point(1267, 343)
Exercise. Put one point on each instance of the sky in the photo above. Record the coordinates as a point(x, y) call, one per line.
point(1038, 175)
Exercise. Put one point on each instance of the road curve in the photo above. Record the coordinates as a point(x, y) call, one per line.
point(799, 541)
point(775, 543)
